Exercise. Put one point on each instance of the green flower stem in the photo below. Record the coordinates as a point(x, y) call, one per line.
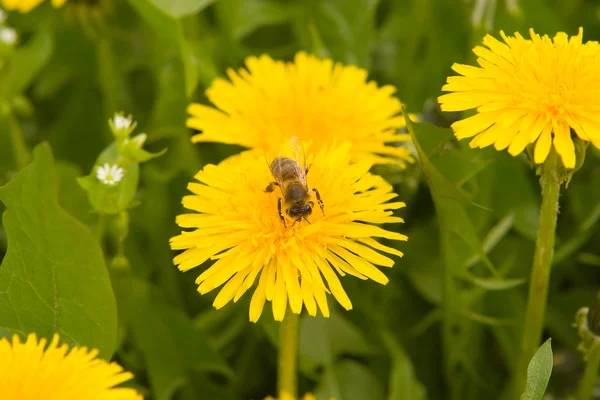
point(122, 231)
point(22, 153)
point(100, 227)
point(588, 381)
point(288, 350)
point(120, 261)
point(540, 273)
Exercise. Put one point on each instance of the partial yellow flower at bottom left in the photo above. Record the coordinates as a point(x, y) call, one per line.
point(25, 6)
point(29, 371)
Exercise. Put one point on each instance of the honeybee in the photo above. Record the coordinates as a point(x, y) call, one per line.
point(290, 176)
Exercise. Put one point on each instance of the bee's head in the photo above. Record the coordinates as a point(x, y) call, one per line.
point(300, 211)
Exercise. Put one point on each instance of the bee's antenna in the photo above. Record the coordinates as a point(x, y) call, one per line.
point(266, 161)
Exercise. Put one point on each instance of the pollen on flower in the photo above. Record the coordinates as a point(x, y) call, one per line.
point(317, 100)
point(8, 36)
point(235, 223)
point(109, 174)
point(537, 91)
point(32, 370)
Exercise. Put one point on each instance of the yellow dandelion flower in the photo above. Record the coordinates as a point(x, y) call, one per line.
point(526, 91)
point(313, 99)
point(24, 6)
point(237, 224)
point(31, 371)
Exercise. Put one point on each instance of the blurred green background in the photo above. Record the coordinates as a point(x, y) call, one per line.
point(74, 67)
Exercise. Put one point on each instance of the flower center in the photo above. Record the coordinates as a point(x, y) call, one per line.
point(557, 101)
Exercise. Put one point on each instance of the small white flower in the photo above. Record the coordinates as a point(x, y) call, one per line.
point(109, 174)
point(121, 123)
point(2, 16)
point(8, 36)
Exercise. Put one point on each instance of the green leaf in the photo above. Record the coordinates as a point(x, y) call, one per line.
point(495, 283)
point(538, 373)
point(494, 236)
point(346, 28)
point(459, 240)
point(172, 348)
point(53, 278)
point(70, 194)
point(171, 30)
point(140, 155)
point(181, 8)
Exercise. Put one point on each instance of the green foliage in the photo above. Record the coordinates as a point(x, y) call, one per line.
point(125, 153)
point(172, 348)
point(538, 373)
point(447, 325)
point(53, 278)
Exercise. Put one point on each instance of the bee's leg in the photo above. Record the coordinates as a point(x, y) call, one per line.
point(271, 186)
point(280, 213)
point(321, 204)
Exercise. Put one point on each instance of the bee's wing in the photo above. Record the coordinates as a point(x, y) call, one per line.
point(298, 154)
point(274, 167)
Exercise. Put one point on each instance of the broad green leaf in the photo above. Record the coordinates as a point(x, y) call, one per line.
point(53, 278)
point(538, 373)
point(70, 194)
point(173, 350)
point(181, 8)
point(171, 30)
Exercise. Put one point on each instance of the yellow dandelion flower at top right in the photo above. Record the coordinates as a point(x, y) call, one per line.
point(525, 91)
